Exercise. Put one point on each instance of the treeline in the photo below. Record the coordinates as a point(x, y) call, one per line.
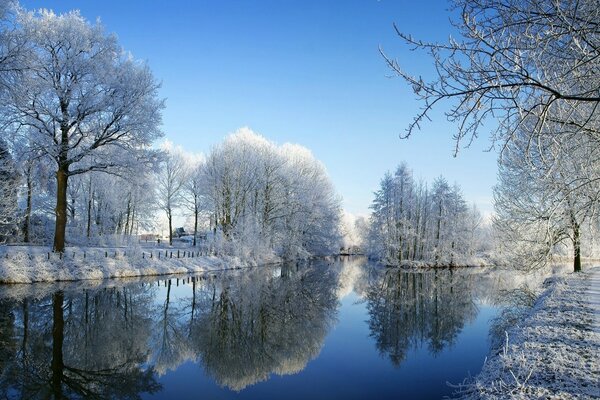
point(413, 222)
point(78, 165)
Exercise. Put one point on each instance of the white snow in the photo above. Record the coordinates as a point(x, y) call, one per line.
point(554, 352)
point(25, 264)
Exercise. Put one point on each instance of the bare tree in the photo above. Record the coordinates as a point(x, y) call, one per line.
point(170, 182)
point(194, 194)
point(516, 62)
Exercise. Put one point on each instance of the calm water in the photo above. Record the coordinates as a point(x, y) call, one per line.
point(341, 329)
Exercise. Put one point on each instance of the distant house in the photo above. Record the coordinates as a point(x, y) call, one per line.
point(179, 232)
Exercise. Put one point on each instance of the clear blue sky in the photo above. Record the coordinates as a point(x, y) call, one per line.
point(307, 72)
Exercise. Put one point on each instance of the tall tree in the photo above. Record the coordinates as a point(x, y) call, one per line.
point(82, 101)
point(170, 182)
point(9, 185)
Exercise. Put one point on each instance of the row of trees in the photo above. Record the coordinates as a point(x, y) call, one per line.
point(80, 117)
point(412, 222)
point(259, 198)
point(531, 67)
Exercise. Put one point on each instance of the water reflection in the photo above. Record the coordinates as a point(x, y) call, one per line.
point(115, 342)
point(118, 339)
point(409, 309)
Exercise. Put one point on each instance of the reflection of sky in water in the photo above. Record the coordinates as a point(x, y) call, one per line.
point(342, 330)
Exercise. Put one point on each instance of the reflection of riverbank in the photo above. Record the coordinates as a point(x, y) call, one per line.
point(554, 350)
point(111, 341)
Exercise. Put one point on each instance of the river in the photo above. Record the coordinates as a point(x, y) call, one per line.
point(343, 328)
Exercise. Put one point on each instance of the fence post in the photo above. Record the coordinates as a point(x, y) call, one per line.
point(48, 255)
point(106, 254)
point(143, 256)
point(177, 253)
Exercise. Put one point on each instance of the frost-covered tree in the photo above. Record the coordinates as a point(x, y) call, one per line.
point(514, 62)
point(81, 101)
point(410, 222)
point(194, 196)
point(545, 199)
point(170, 183)
point(529, 69)
point(9, 186)
point(269, 199)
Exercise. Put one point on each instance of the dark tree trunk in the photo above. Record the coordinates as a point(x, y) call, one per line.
point(89, 210)
point(61, 209)
point(195, 225)
point(170, 227)
point(576, 249)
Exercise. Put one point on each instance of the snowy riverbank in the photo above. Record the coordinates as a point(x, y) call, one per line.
point(36, 264)
point(553, 353)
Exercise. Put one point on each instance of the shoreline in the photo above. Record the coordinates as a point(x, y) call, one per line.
point(553, 351)
point(28, 265)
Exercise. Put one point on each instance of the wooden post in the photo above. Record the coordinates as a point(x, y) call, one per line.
point(48, 255)
point(177, 253)
point(105, 254)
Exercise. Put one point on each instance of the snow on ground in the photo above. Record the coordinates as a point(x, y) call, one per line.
point(27, 264)
point(554, 352)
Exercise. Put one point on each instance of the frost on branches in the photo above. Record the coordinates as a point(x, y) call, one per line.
point(414, 224)
point(270, 200)
point(79, 101)
point(529, 71)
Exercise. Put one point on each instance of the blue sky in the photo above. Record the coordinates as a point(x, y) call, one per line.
point(307, 72)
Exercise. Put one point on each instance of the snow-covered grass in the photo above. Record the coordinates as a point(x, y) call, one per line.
point(554, 352)
point(27, 264)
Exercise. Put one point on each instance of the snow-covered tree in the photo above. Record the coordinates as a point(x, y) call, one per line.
point(515, 62)
point(269, 199)
point(545, 198)
point(81, 101)
point(194, 193)
point(9, 186)
point(170, 183)
point(410, 222)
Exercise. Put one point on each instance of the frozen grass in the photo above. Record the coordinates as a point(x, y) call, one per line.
point(26, 264)
point(554, 352)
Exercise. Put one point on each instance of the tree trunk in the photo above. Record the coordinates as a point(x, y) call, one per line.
point(61, 209)
point(576, 249)
point(195, 225)
point(169, 216)
point(28, 207)
point(89, 210)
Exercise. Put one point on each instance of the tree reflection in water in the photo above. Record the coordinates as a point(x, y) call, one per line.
point(408, 309)
point(80, 346)
point(114, 342)
point(259, 324)
point(69, 341)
